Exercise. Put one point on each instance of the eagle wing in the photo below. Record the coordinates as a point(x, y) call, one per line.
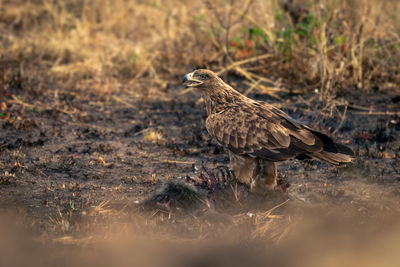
point(262, 131)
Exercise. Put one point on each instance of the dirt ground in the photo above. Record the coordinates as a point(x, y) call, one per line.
point(66, 169)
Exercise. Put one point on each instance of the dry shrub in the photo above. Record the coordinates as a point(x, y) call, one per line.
point(89, 41)
point(327, 44)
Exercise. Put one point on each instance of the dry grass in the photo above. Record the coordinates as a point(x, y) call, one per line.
point(111, 45)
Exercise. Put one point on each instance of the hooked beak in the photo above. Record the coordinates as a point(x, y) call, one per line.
point(190, 81)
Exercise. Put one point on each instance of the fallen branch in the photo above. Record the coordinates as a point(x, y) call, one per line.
point(377, 113)
point(175, 161)
point(43, 107)
point(369, 111)
point(252, 86)
point(273, 91)
point(18, 101)
point(343, 117)
point(244, 61)
point(359, 107)
point(118, 99)
point(253, 77)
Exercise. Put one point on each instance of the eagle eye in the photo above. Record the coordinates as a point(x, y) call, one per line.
point(203, 76)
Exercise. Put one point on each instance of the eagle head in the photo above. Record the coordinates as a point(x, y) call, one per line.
point(200, 78)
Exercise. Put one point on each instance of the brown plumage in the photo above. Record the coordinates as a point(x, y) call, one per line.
point(257, 134)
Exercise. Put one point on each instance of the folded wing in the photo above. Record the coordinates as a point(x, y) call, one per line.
point(262, 131)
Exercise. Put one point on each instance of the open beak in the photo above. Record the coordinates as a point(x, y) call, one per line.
point(189, 81)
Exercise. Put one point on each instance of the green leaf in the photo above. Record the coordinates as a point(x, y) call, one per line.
point(340, 40)
point(257, 31)
point(134, 58)
point(199, 17)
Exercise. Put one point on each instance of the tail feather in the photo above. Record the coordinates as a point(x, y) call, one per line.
point(344, 149)
point(333, 158)
point(332, 152)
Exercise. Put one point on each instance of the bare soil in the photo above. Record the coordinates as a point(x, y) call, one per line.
point(60, 161)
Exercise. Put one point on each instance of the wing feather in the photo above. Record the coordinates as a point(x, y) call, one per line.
point(261, 131)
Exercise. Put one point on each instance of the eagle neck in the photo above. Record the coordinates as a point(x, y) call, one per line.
point(220, 97)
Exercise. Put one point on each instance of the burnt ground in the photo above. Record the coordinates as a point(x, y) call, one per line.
point(70, 157)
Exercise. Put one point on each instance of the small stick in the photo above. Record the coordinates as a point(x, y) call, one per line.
point(252, 86)
point(176, 161)
point(342, 120)
point(268, 212)
point(244, 61)
point(371, 112)
point(116, 98)
point(378, 113)
point(359, 107)
point(18, 101)
point(21, 102)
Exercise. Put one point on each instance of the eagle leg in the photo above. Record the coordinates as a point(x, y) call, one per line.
point(260, 175)
point(243, 167)
point(264, 180)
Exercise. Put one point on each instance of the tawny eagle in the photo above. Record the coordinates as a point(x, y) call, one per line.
point(257, 134)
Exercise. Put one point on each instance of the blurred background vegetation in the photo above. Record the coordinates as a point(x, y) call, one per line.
point(108, 45)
